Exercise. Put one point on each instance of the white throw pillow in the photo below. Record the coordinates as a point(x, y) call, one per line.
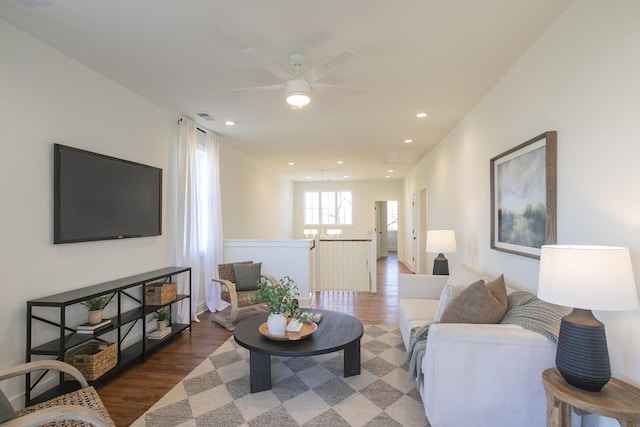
point(461, 277)
point(448, 293)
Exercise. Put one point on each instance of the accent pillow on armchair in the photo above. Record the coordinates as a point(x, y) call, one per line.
point(247, 276)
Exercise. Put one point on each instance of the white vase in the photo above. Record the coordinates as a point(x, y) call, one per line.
point(95, 317)
point(161, 325)
point(276, 324)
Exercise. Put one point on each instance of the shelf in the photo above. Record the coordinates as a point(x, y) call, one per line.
point(52, 348)
point(136, 352)
point(176, 329)
point(148, 309)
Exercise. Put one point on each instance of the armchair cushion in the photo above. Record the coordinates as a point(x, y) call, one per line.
point(6, 410)
point(478, 303)
point(247, 276)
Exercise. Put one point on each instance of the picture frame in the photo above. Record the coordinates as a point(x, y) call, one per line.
point(523, 196)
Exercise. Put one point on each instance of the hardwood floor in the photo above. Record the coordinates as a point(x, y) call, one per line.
point(133, 392)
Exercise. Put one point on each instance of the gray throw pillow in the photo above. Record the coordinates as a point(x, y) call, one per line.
point(6, 410)
point(247, 276)
point(478, 303)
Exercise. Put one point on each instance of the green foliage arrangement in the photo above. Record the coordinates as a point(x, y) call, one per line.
point(163, 314)
point(281, 298)
point(95, 304)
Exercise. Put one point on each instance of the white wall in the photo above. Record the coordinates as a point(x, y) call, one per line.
point(46, 98)
point(365, 194)
point(279, 258)
point(581, 79)
point(256, 204)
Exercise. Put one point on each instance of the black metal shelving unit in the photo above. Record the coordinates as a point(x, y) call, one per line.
point(123, 324)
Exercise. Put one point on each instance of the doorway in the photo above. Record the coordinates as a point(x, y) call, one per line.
point(386, 220)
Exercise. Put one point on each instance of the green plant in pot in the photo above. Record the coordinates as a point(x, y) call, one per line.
point(282, 302)
point(95, 306)
point(163, 317)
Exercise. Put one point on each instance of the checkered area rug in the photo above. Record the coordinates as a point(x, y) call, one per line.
point(306, 391)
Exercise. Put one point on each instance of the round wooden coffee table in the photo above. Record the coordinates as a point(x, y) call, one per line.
point(336, 331)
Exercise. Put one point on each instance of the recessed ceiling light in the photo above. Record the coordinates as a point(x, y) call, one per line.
point(387, 176)
point(340, 162)
point(230, 123)
point(346, 176)
point(421, 115)
point(308, 177)
point(291, 163)
point(390, 171)
point(408, 141)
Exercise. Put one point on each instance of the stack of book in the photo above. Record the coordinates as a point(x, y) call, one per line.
point(158, 334)
point(89, 328)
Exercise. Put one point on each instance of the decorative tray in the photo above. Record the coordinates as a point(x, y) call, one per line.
point(308, 328)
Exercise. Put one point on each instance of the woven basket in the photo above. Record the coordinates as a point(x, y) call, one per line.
point(93, 359)
point(160, 293)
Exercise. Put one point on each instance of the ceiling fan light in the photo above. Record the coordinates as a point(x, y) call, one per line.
point(298, 92)
point(298, 99)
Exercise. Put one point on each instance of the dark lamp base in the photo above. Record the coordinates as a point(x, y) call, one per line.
point(440, 266)
point(582, 356)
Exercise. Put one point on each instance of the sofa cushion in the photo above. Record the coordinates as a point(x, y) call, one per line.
point(415, 313)
point(247, 276)
point(478, 303)
point(461, 277)
point(418, 308)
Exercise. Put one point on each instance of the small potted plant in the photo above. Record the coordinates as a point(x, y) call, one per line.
point(281, 301)
point(95, 306)
point(163, 317)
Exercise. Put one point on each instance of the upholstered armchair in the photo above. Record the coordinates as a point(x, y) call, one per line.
point(82, 407)
point(239, 282)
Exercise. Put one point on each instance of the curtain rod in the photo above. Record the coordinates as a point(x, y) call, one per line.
point(198, 128)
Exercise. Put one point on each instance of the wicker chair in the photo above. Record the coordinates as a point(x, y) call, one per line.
point(78, 408)
point(238, 300)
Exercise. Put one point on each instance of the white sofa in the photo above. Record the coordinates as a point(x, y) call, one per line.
point(474, 374)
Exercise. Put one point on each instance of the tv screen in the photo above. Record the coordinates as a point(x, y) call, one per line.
point(98, 197)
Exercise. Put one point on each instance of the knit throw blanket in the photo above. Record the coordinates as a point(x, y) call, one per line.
point(525, 309)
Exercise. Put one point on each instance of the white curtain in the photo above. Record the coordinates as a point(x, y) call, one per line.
point(187, 232)
point(199, 224)
point(213, 212)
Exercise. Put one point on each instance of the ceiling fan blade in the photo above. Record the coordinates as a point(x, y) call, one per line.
point(259, 88)
point(338, 89)
point(321, 70)
point(267, 64)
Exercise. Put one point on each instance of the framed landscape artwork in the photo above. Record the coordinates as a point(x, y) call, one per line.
point(523, 196)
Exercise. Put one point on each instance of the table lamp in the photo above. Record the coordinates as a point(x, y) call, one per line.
point(440, 242)
point(586, 278)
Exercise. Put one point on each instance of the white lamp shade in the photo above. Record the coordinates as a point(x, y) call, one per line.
point(441, 241)
point(587, 277)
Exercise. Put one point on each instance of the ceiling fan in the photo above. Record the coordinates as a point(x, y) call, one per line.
point(298, 87)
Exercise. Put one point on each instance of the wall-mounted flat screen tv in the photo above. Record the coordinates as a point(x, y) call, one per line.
point(98, 197)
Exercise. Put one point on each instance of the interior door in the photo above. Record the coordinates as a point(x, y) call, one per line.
point(422, 232)
point(382, 245)
point(414, 234)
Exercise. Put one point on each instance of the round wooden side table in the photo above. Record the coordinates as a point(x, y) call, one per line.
point(617, 399)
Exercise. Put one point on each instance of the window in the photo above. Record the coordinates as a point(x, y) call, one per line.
point(327, 208)
point(392, 215)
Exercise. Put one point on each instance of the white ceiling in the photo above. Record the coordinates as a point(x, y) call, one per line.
point(435, 56)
